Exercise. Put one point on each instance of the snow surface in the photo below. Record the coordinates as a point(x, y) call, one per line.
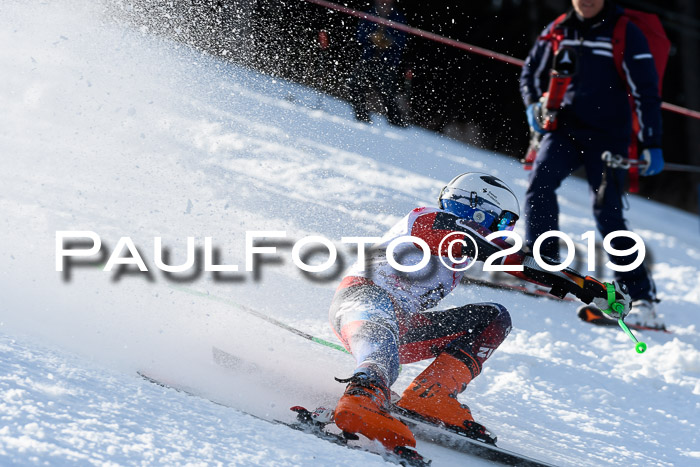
point(109, 129)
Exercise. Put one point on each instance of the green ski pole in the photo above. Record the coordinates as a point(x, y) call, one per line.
point(614, 307)
point(640, 347)
point(262, 316)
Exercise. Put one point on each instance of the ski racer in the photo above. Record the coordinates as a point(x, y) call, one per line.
point(379, 313)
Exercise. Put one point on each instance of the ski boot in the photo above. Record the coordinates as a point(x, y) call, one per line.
point(643, 313)
point(432, 396)
point(364, 409)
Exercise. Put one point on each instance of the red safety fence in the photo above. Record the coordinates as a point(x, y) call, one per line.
point(462, 45)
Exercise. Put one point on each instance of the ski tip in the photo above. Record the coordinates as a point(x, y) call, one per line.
point(588, 313)
point(593, 315)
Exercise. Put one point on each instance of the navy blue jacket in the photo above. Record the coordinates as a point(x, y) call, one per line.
point(392, 55)
point(596, 99)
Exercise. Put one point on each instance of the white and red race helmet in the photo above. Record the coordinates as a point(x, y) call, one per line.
point(481, 198)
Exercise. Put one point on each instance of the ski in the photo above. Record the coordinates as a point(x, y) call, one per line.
point(312, 423)
point(262, 316)
point(475, 440)
point(593, 315)
point(317, 423)
point(472, 430)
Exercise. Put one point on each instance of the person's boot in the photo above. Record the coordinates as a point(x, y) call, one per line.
point(433, 394)
point(643, 313)
point(364, 409)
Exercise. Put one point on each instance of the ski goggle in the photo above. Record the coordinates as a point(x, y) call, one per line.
point(505, 221)
point(482, 212)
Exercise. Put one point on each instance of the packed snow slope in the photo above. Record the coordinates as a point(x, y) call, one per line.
point(111, 130)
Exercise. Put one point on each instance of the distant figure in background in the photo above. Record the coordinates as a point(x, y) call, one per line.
point(379, 64)
point(594, 117)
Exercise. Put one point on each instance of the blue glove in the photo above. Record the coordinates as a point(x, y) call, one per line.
point(533, 112)
point(654, 159)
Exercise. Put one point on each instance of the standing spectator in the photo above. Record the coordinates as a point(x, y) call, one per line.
point(379, 64)
point(594, 117)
